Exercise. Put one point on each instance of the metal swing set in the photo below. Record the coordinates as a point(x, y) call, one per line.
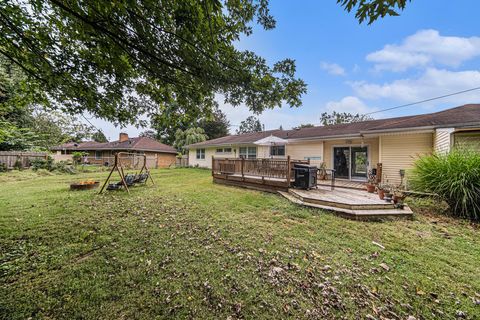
point(127, 180)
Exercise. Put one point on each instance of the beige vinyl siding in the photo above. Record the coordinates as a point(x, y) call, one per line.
point(203, 163)
point(399, 151)
point(262, 152)
point(371, 143)
point(304, 150)
point(442, 140)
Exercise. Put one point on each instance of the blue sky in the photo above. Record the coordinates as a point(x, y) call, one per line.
point(431, 49)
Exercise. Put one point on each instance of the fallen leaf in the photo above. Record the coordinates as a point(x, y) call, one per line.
point(385, 266)
point(420, 292)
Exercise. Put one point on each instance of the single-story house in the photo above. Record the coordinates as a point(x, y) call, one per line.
point(158, 155)
point(352, 149)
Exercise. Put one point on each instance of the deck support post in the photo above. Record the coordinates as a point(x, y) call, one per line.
point(379, 172)
point(242, 164)
point(288, 171)
point(213, 165)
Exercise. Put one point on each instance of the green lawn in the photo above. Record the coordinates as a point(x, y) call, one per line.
point(186, 248)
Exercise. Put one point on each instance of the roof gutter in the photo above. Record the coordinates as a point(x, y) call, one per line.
point(426, 129)
point(335, 137)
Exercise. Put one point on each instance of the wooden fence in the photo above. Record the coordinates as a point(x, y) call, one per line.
point(264, 174)
point(10, 158)
point(181, 162)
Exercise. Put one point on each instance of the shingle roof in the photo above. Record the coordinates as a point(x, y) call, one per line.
point(469, 113)
point(132, 144)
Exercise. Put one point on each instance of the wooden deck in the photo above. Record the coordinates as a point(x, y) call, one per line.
point(348, 198)
point(252, 182)
point(350, 203)
point(343, 184)
point(270, 175)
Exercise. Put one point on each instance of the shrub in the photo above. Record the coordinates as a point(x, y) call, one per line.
point(455, 177)
point(63, 167)
point(18, 165)
point(3, 167)
point(41, 163)
point(77, 156)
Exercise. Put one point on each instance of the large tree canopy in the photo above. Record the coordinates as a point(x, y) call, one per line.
point(119, 59)
point(327, 119)
point(189, 136)
point(24, 126)
point(215, 126)
point(251, 124)
point(371, 10)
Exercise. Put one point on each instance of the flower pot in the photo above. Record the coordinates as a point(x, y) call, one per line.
point(381, 194)
point(397, 199)
point(371, 188)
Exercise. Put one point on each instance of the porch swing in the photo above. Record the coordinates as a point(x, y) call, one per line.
point(130, 179)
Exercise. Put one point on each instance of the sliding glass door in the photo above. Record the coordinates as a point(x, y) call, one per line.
point(341, 162)
point(359, 162)
point(350, 162)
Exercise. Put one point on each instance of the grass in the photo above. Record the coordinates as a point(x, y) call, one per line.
point(186, 248)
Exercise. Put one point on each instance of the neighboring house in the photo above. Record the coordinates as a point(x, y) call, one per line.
point(158, 155)
point(351, 149)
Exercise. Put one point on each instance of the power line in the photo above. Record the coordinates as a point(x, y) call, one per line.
point(100, 130)
point(426, 100)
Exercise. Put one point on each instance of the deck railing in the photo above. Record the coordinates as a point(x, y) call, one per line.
point(264, 168)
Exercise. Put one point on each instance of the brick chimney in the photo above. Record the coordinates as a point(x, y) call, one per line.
point(123, 137)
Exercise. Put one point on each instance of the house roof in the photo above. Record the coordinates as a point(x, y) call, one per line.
point(132, 144)
point(459, 116)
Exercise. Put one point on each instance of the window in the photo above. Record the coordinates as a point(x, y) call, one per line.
point(277, 151)
point(98, 155)
point(248, 152)
point(201, 154)
point(223, 150)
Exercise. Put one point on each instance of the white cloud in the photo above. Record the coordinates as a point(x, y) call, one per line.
point(433, 82)
point(348, 104)
point(333, 68)
point(426, 48)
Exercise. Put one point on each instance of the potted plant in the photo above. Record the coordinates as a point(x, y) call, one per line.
point(398, 196)
point(371, 182)
point(381, 188)
point(387, 190)
point(322, 171)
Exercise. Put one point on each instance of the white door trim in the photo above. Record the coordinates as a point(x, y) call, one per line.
point(366, 145)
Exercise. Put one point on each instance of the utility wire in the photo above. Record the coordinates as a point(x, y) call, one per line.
point(426, 100)
point(100, 130)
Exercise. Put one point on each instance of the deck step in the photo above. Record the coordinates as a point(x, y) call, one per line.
point(327, 201)
point(363, 214)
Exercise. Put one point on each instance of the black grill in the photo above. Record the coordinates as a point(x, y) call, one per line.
point(305, 176)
